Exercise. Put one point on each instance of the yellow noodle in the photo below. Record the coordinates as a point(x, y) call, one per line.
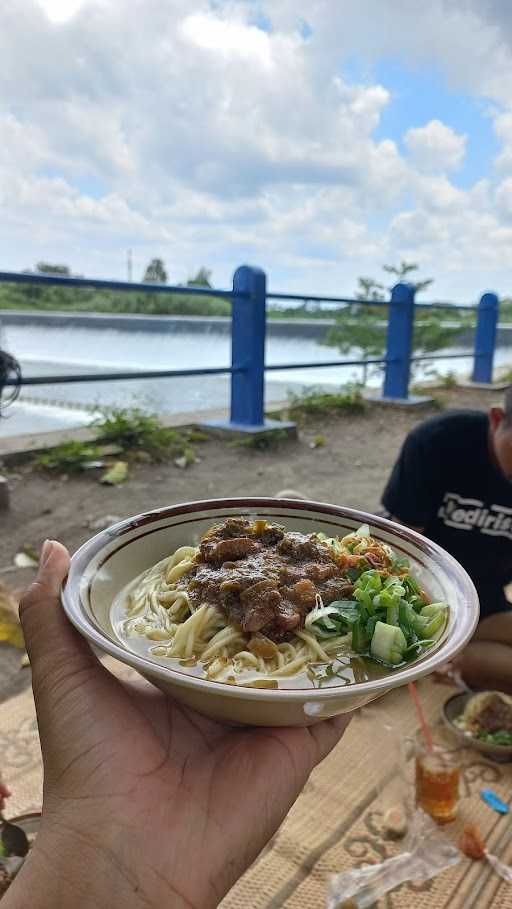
point(159, 608)
point(313, 645)
point(176, 572)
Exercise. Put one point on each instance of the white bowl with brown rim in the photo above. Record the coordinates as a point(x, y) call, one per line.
point(109, 561)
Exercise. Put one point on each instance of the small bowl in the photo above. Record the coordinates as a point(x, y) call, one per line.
point(104, 565)
point(453, 708)
point(30, 823)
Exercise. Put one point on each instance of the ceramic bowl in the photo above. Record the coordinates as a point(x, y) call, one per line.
point(453, 708)
point(110, 560)
point(30, 823)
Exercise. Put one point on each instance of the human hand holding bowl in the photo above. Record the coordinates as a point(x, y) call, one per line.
point(145, 803)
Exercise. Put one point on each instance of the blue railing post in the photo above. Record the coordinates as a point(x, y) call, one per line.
point(485, 338)
point(248, 347)
point(399, 342)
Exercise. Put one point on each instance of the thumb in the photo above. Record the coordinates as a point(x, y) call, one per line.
point(57, 652)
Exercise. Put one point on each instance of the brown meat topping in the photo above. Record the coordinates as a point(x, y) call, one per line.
point(228, 550)
point(266, 580)
point(496, 716)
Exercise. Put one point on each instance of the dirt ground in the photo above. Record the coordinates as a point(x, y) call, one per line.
point(350, 469)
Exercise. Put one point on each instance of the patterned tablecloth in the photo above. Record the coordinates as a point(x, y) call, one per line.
point(337, 823)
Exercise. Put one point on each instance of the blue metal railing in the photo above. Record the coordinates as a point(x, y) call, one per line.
point(248, 329)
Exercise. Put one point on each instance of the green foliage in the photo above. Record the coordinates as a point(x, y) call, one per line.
point(155, 272)
point(46, 268)
point(402, 273)
point(202, 278)
point(314, 402)
point(70, 457)
point(363, 326)
point(85, 299)
point(448, 379)
point(139, 435)
point(505, 312)
point(134, 430)
point(368, 289)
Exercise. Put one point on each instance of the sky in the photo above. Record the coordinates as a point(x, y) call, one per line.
point(318, 140)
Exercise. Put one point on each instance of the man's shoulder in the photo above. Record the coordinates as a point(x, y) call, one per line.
point(453, 425)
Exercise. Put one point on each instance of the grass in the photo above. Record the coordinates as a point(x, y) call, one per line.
point(446, 379)
point(133, 433)
point(70, 457)
point(264, 441)
point(316, 403)
point(134, 430)
point(33, 297)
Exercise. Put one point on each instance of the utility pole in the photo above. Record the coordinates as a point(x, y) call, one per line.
point(129, 265)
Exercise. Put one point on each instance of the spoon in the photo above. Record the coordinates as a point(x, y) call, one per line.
point(13, 839)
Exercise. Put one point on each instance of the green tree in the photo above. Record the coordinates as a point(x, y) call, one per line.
point(155, 272)
point(41, 297)
point(47, 268)
point(402, 273)
point(362, 328)
point(368, 289)
point(202, 279)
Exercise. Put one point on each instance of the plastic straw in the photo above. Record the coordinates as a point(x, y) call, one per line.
point(425, 728)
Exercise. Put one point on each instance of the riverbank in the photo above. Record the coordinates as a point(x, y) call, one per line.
point(58, 344)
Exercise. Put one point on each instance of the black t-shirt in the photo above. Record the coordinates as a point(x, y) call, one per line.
point(446, 482)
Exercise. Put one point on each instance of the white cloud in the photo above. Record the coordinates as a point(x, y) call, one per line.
point(232, 38)
point(435, 146)
point(182, 129)
point(61, 10)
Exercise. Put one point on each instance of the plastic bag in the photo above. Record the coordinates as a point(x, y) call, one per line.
point(394, 796)
point(426, 852)
point(504, 871)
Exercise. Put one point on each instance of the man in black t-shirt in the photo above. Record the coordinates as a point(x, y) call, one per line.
point(453, 482)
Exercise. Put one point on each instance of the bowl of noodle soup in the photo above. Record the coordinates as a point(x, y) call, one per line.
point(248, 610)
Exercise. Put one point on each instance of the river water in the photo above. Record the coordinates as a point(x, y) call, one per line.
point(63, 349)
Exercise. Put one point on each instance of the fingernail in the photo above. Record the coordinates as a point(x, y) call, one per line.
point(46, 552)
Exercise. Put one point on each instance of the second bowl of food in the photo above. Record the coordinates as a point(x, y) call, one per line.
point(270, 611)
point(482, 720)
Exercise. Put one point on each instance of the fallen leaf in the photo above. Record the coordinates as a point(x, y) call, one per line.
point(187, 458)
point(117, 474)
point(10, 628)
point(22, 560)
point(11, 633)
point(25, 661)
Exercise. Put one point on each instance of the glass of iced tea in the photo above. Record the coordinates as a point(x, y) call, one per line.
point(437, 778)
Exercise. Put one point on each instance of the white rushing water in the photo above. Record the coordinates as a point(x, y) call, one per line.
point(49, 350)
